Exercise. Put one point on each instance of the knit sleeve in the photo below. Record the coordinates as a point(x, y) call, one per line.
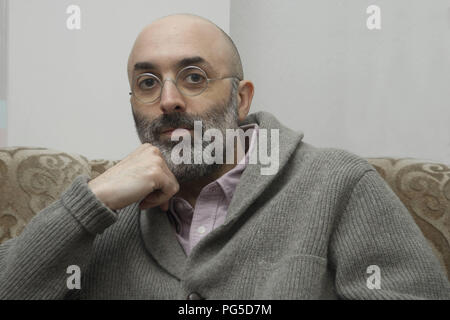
point(35, 264)
point(378, 252)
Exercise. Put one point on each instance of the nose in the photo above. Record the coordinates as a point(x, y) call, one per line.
point(171, 98)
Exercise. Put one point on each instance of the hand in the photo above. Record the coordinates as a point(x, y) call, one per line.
point(142, 176)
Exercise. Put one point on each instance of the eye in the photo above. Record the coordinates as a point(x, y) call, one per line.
point(195, 78)
point(147, 83)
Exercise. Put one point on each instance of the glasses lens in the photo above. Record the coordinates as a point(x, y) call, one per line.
point(147, 88)
point(192, 81)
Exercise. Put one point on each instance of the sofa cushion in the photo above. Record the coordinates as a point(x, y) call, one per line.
point(424, 188)
point(30, 180)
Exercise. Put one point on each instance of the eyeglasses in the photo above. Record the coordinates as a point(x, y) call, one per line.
point(190, 81)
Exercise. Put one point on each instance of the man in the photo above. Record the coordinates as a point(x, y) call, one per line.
point(149, 228)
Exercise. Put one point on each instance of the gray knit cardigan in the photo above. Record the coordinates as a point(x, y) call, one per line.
point(326, 226)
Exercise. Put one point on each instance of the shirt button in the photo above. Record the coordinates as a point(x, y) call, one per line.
point(201, 229)
point(194, 296)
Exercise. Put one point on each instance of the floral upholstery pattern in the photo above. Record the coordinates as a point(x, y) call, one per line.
point(424, 188)
point(32, 178)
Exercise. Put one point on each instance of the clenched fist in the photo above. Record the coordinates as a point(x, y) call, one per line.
point(142, 176)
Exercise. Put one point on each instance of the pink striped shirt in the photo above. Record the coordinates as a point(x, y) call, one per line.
point(211, 207)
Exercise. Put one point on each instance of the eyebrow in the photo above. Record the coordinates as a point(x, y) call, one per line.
point(180, 64)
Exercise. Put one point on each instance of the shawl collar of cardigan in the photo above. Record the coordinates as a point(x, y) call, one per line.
point(157, 233)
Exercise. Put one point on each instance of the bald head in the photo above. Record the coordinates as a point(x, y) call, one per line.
point(181, 34)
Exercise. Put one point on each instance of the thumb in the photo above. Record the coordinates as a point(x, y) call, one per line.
point(154, 199)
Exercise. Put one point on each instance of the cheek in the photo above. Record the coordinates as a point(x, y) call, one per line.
point(210, 99)
point(148, 111)
point(140, 115)
point(197, 105)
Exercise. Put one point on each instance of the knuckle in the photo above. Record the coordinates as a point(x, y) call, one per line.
point(151, 171)
point(156, 151)
point(151, 181)
point(154, 172)
point(159, 161)
point(145, 145)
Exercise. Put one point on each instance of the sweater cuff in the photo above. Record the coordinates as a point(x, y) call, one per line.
point(86, 208)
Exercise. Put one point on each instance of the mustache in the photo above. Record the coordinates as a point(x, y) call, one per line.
point(173, 120)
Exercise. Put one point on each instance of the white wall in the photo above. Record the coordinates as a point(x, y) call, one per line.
point(319, 69)
point(3, 70)
point(375, 93)
point(68, 90)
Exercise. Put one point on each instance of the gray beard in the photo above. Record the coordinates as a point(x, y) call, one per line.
point(221, 117)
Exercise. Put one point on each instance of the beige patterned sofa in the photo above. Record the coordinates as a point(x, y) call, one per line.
point(33, 178)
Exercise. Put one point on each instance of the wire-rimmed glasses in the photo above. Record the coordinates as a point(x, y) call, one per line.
point(190, 81)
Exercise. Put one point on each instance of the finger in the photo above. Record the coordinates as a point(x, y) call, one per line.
point(156, 198)
point(166, 187)
point(150, 200)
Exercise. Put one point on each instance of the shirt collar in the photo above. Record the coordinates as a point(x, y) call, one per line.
point(182, 210)
point(228, 182)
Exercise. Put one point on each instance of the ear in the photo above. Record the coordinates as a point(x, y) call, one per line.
point(245, 95)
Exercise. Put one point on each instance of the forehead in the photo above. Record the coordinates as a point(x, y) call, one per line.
point(165, 43)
